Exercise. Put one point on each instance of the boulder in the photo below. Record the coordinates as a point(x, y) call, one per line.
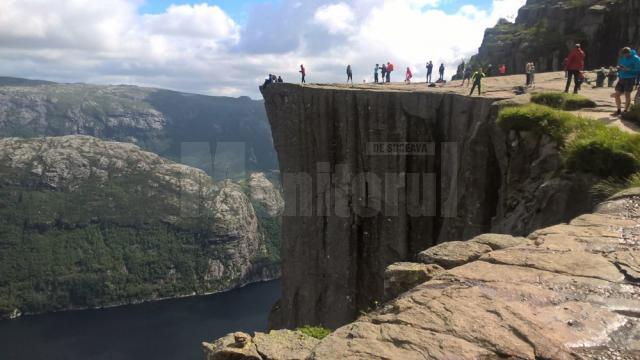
point(228, 348)
point(284, 345)
point(499, 241)
point(453, 253)
point(404, 276)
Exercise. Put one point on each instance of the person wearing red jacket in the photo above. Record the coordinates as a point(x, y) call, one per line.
point(575, 64)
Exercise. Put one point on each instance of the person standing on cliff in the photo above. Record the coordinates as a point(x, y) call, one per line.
point(375, 73)
point(429, 71)
point(389, 70)
point(477, 81)
point(349, 74)
point(303, 72)
point(384, 72)
point(408, 76)
point(575, 64)
point(467, 76)
point(628, 67)
point(441, 72)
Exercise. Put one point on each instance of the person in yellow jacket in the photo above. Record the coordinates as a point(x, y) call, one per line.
point(476, 78)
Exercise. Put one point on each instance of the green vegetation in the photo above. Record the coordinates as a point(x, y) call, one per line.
point(315, 331)
point(102, 243)
point(538, 119)
point(562, 101)
point(609, 187)
point(587, 145)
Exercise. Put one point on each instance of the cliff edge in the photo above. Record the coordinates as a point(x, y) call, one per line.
point(570, 291)
point(374, 175)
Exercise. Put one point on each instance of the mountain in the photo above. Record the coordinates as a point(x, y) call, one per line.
point(90, 223)
point(545, 31)
point(224, 136)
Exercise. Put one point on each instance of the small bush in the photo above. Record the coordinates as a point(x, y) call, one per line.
point(633, 114)
point(562, 101)
point(315, 331)
point(539, 119)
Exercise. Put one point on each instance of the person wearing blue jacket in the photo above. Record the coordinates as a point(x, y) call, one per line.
point(628, 68)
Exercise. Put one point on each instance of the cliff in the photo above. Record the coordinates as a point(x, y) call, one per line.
point(161, 121)
point(545, 31)
point(90, 223)
point(568, 291)
point(354, 204)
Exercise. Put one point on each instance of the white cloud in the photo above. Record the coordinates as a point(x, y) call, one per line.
point(200, 48)
point(336, 18)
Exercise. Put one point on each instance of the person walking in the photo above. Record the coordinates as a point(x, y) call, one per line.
point(628, 67)
point(429, 71)
point(349, 74)
point(527, 67)
point(389, 70)
point(408, 75)
point(477, 81)
point(303, 72)
point(532, 74)
point(575, 64)
point(442, 72)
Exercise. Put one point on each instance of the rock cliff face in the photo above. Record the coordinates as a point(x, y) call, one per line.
point(90, 223)
point(545, 30)
point(355, 202)
point(569, 291)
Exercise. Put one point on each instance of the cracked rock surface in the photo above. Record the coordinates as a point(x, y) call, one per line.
point(567, 292)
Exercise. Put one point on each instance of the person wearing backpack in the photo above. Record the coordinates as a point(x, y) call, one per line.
point(389, 70)
point(429, 71)
point(477, 81)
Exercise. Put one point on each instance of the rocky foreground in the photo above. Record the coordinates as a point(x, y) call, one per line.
point(570, 291)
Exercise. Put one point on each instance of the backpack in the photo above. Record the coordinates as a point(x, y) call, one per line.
point(390, 68)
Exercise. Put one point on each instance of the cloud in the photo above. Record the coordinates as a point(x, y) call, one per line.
point(336, 18)
point(200, 48)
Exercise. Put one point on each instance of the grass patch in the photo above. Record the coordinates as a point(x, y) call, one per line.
point(315, 331)
point(587, 146)
point(562, 101)
point(609, 187)
point(538, 119)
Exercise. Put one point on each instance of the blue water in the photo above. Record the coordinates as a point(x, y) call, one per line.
point(171, 329)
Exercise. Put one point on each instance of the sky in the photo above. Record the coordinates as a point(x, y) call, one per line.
point(227, 47)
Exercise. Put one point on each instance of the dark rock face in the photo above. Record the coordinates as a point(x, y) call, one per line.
point(352, 207)
point(545, 31)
